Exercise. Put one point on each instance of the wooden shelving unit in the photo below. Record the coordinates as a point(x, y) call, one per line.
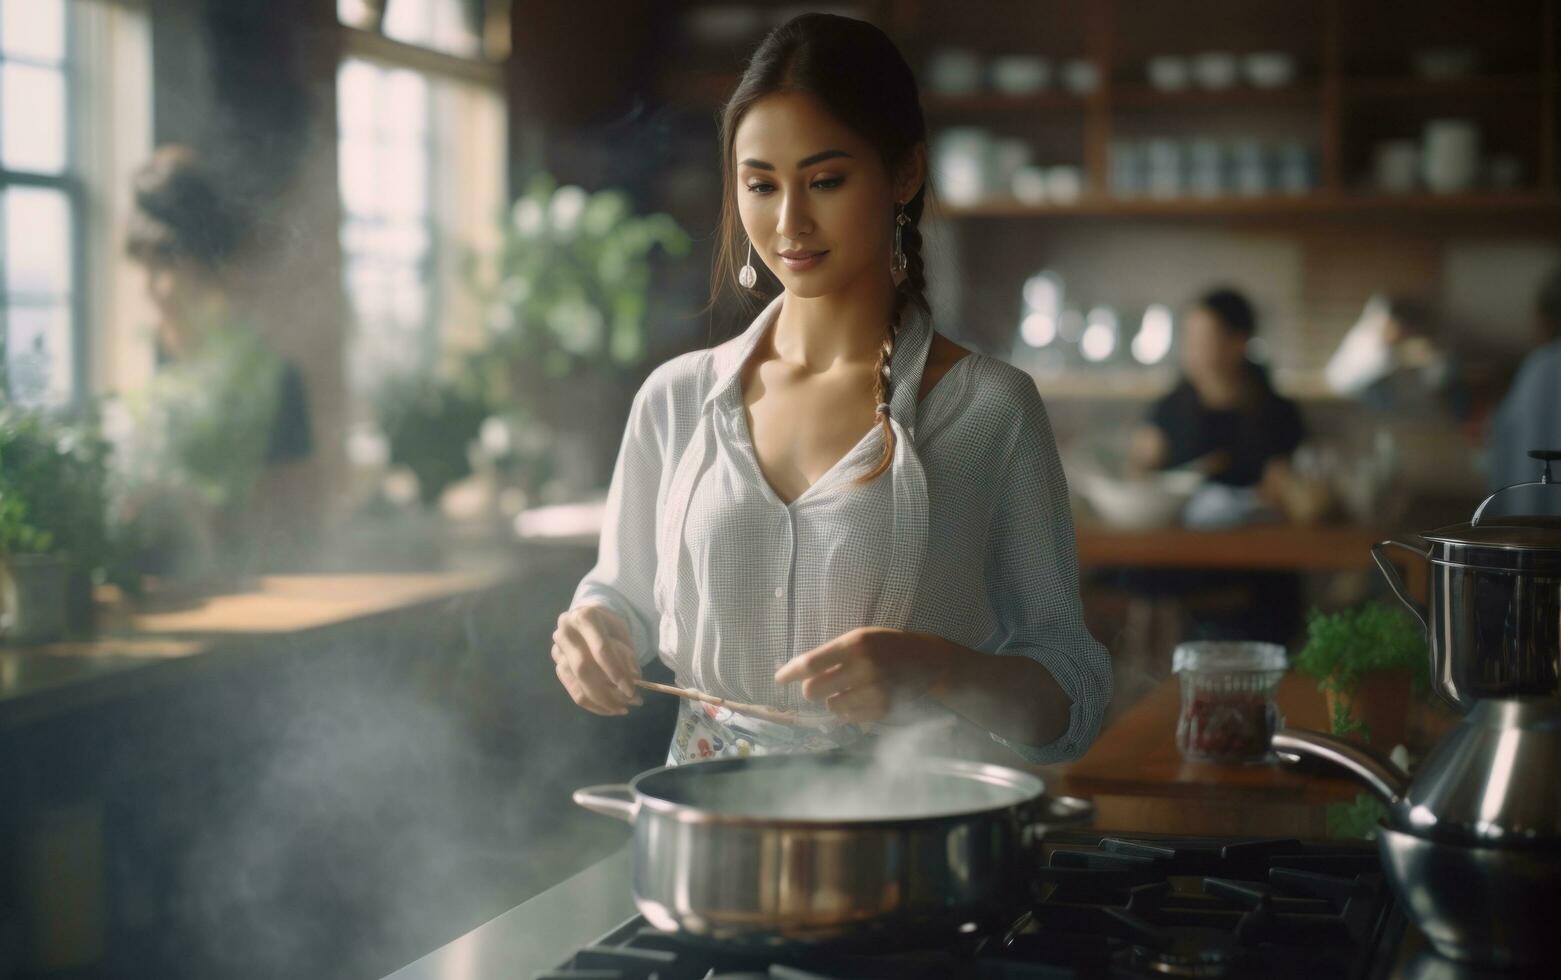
point(1340, 93)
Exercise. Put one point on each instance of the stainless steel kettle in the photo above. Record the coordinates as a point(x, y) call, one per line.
point(1491, 781)
point(1493, 624)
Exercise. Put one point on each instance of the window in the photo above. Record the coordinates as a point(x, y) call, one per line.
point(75, 122)
point(386, 161)
point(421, 165)
point(40, 203)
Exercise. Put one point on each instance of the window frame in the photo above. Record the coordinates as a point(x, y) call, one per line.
point(70, 182)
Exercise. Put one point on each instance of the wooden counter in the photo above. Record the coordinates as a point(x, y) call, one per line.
point(137, 644)
point(1139, 781)
point(1279, 547)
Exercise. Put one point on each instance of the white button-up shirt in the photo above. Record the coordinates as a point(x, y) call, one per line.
point(968, 534)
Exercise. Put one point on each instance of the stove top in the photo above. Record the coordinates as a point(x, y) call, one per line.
point(1105, 907)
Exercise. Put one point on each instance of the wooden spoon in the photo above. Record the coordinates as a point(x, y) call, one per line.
point(754, 710)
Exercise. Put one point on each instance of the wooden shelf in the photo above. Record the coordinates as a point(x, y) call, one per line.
point(1488, 86)
point(996, 102)
point(1320, 204)
point(1140, 96)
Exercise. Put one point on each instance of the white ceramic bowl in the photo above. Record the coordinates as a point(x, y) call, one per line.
point(1215, 70)
point(1137, 505)
point(1269, 69)
point(1168, 73)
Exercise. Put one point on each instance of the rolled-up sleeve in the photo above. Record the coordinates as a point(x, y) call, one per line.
point(1033, 582)
point(624, 575)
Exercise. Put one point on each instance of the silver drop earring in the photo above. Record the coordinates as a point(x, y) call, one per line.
point(899, 264)
point(746, 276)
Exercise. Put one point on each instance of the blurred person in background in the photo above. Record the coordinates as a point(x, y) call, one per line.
point(210, 451)
point(1530, 415)
point(1392, 361)
point(1225, 419)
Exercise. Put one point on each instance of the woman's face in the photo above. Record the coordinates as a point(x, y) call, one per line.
point(806, 183)
point(184, 293)
point(1210, 351)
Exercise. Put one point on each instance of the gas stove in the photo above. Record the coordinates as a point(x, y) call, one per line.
point(1104, 907)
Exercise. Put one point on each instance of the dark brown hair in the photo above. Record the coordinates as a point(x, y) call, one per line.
point(854, 70)
point(180, 212)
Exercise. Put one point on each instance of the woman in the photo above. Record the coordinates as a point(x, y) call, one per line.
point(223, 428)
point(839, 512)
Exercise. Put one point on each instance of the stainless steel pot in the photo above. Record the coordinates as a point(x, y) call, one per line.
point(1471, 845)
point(1490, 782)
point(1494, 620)
point(1477, 904)
point(835, 848)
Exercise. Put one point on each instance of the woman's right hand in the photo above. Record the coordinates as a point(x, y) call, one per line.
point(593, 657)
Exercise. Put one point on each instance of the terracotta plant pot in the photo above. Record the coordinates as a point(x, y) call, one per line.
point(1380, 702)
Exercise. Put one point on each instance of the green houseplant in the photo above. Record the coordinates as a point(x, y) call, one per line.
point(566, 322)
point(1369, 661)
point(54, 533)
point(429, 419)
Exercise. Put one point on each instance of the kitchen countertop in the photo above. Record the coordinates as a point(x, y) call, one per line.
point(539, 933)
point(139, 647)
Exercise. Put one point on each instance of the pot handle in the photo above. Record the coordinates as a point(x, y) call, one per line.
point(1385, 779)
point(1054, 811)
point(609, 799)
point(1395, 582)
point(1546, 456)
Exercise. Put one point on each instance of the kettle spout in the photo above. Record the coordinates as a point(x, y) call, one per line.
point(1385, 780)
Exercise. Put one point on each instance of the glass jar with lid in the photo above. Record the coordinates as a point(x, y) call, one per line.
point(1228, 707)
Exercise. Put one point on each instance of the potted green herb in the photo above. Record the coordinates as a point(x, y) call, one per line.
point(429, 421)
point(54, 537)
point(1369, 662)
point(566, 325)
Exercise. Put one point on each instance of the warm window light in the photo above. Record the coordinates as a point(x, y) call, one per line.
point(1153, 341)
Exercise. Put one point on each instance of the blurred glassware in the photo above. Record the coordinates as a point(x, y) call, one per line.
point(1102, 330)
point(1081, 76)
point(1249, 169)
point(1127, 171)
point(1444, 64)
point(1029, 185)
point(1452, 155)
point(1064, 183)
point(961, 166)
point(1269, 69)
point(1395, 166)
point(1205, 171)
point(954, 71)
point(1020, 74)
point(1215, 70)
point(1043, 293)
point(1295, 168)
point(1168, 72)
point(1229, 712)
point(1010, 154)
point(1164, 159)
point(1155, 334)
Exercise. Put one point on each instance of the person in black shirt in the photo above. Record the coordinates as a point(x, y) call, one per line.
point(1224, 418)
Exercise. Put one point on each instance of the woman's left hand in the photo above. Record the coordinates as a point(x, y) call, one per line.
point(862, 674)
